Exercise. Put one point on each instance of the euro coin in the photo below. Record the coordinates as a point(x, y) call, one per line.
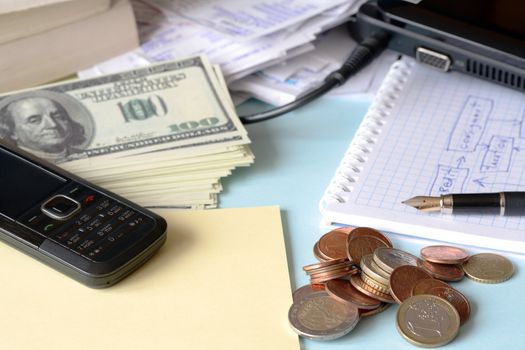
point(423, 286)
point(318, 316)
point(364, 288)
point(403, 280)
point(488, 268)
point(368, 313)
point(308, 289)
point(368, 231)
point(457, 299)
point(374, 284)
point(427, 320)
point(361, 246)
point(332, 245)
point(390, 258)
point(342, 290)
point(319, 256)
point(443, 254)
point(443, 272)
point(371, 269)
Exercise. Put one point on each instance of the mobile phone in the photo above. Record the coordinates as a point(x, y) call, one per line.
point(81, 230)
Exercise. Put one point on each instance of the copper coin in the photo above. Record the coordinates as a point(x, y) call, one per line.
point(345, 229)
point(368, 231)
point(458, 300)
point(344, 291)
point(318, 255)
point(330, 267)
point(381, 308)
point(364, 288)
point(444, 254)
point(423, 286)
point(348, 269)
point(303, 291)
point(323, 264)
point(403, 279)
point(333, 244)
point(325, 277)
point(442, 271)
point(361, 246)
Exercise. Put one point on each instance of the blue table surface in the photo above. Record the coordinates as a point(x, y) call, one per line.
point(295, 158)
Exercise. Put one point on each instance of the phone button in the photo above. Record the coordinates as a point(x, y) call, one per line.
point(60, 207)
point(39, 222)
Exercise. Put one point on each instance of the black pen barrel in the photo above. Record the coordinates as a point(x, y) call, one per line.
point(477, 203)
point(514, 203)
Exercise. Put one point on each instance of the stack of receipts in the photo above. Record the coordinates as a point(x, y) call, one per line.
point(161, 136)
point(242, 37)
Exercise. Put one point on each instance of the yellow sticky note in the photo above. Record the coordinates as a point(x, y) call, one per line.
point(220, 282)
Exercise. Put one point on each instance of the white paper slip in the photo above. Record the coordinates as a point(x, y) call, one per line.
point(432, 133)
point(248, 20)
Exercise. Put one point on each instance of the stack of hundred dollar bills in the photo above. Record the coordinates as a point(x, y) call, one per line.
point(161, 136)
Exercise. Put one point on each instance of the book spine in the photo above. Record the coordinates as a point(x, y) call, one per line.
point(367, 135)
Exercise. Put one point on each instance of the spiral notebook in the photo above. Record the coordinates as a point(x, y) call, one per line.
point(431, 133)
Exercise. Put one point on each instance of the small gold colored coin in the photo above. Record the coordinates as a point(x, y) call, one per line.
point(364, 288)
point(390, 258)
point(427, 320)
point(371, 269)
point(488, 268)
point(375, 284)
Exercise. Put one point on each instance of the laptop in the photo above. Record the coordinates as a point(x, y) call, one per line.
point(483, 38)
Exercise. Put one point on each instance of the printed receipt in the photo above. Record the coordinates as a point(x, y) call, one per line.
point(248, 20)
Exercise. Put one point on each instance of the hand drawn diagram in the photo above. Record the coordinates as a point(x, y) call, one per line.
point(481, 150)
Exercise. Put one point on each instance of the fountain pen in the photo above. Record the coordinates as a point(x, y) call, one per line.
point(503, 203)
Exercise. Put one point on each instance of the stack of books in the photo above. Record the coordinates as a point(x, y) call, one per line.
point(45, 40)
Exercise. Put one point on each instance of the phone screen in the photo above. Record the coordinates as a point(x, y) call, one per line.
point(23, 184)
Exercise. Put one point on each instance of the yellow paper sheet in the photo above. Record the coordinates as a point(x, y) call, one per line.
point(220, 282)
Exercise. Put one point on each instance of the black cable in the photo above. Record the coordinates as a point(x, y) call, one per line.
point(363, 54)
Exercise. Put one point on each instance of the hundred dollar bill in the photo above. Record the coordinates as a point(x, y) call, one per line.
point(173, 106)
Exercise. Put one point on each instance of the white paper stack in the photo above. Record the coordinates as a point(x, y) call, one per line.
point(241, 36)
point(285, 82)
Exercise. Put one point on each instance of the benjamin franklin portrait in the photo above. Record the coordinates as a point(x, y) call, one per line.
point(50, 125)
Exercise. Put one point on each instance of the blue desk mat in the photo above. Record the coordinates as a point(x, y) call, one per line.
point(295, 158)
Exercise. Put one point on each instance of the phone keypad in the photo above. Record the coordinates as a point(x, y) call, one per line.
point(95, 231)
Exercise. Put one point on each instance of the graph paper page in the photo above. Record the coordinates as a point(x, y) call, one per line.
point(446, 133)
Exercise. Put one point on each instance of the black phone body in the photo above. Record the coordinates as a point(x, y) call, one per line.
point(88, 233)
point(483, 38)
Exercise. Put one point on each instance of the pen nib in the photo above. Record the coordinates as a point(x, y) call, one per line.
point(424, 203)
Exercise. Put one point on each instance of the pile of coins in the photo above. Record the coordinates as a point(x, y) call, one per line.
point(360, 274)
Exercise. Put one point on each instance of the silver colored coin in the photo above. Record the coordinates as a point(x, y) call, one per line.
point(390, 258)
point(373, 271)
point(308, 289)
point(318, 316)
point(427, 320)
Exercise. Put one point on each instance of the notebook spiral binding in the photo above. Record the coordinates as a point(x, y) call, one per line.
point(366, 137)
